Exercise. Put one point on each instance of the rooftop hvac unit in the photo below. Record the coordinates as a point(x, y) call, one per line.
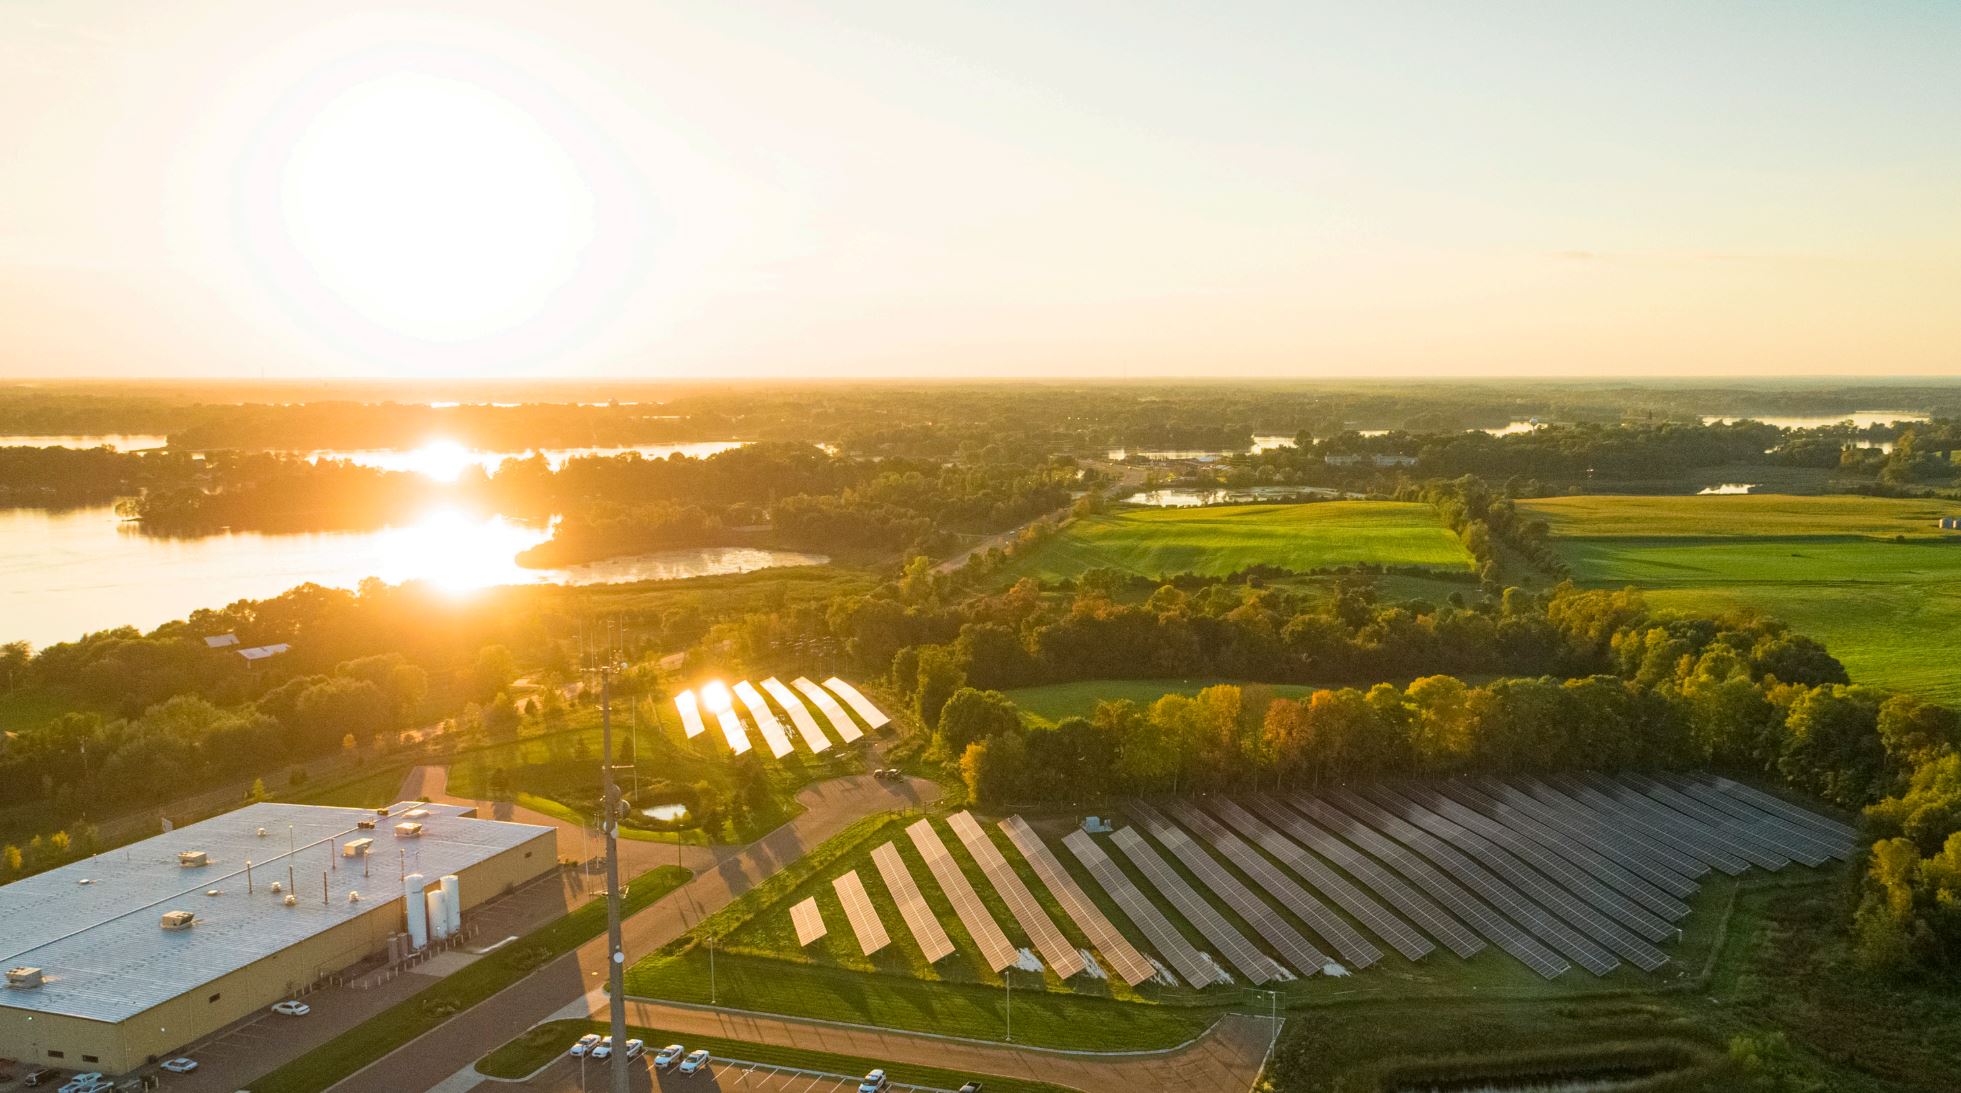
point(354, 848)
point(277, 888)
point(24, 979)
point(178, 920)
point(261, 833)
point(415, 813)
point(408, 831)
point(192, 859)
point(365, 825)
point(353, 896)
point(381, 812)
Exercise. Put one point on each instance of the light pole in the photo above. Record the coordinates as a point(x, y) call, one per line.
point(615, 948)
point(1008, 981)
point(711, 969)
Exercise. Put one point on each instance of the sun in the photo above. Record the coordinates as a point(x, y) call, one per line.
point(434, 207)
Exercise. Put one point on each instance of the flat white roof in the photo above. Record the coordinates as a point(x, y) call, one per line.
point(106, 956)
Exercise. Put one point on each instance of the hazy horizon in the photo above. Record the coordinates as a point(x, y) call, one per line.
point(223, 190)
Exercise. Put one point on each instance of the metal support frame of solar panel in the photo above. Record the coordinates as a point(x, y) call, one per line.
point(1116, 949)
point(1393, 931)
point(1549, 913)
point(858, 911)
point(1555, 905)
point(913, 908)
point(1294, 948)
point(1785, 838)
point(1495, 927)
point(809, 921)
point(1743, 835)
point(1575, 846)
point(1677, 836)
point(1823, 824)
point(995, 948)
point(860, 705)
point(1056, 950)
point(813, 737)
point(1642, 860)
point(1182, 955)
point(1220, 934)
point(766, 722)
point(1356, 951)
point(1709, 837)
point(1455, 936)
point(1603, 899)
point(1655, 845)
point(846, 728)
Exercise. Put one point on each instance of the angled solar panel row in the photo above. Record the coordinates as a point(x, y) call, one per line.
point(846, 728)
point(858, 911)
point(994, 946)
point(1220, 934)
point(1585, 830)
point(1254, 911)
point(1184, 958)
point(1597, 859)
point(1649, 844)
point(1123, 957)
point(1824, 826)
point(690, 710)
point(913, 908)
point(1744, 842)
point(1786, 838)
point(1694, 837)
point(860, 705)
point(1056, 950)
point(1652, 828)
point(766, 722)
point(808, 920)
point(813, 737)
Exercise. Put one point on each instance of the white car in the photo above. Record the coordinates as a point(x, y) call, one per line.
point(603, 1049)
point(292, 1008)
point(77, 1085)
point(874, 1082)
point(585, 1044)
point(696, 1060)
point(180, 1066)
point(635, 1048)
point(668, 1055)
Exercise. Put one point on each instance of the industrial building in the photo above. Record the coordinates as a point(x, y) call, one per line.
point(124, 958)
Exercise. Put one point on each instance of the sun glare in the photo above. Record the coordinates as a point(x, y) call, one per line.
point(716, 697)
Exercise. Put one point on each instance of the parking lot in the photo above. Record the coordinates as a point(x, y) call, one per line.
point(564, 1076)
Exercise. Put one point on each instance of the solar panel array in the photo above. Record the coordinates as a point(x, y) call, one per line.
point(808, 920)
point(690, 711)
point(1597, 859)
point(1224, 938)
point(1293, 948)
point(766, 722)
point(1182, 955)
point(1116, 950)
point(846, 728)
point(1646, 845)
point(1055, 949)
point(720, 700)
point(860, 705)
point(732, 731)
point(1800, 843)
point(813, 737)
point(918, 915)
point(995, 949)
point(858, 911)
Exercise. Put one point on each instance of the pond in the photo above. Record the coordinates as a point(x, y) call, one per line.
point(1189, 498)
point(672, 813)
point(1727, 489)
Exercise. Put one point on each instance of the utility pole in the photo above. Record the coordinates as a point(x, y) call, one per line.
point(615, 948)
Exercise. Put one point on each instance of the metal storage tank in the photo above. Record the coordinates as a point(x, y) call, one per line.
point(453, 902)
point(418, 912)
point(438, 914)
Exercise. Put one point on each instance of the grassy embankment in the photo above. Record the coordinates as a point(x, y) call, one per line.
point(1873, 578)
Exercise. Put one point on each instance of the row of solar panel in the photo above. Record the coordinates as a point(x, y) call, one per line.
point(719, 701)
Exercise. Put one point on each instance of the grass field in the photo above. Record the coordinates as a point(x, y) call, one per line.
point(1228, 538)
point(1829, 566)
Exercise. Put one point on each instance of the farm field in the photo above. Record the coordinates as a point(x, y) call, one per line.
point(1224, 539)
point(1829, 566)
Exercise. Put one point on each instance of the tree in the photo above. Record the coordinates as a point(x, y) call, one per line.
point(939, 676)
point(972, 715)
point(258, 791)
point(993, 768)
point(11, 856)
point(500, 718)
point(494, 670)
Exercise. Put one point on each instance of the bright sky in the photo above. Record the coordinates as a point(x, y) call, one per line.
point(997, 188)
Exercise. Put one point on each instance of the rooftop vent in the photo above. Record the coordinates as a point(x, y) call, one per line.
point(408, 831)
point(291, 901)
point(210, 891)
point(277, 888)
point(24, 979)
point(193, 859)
point(381, 811)
point(415, 813)
point(365, 825)
point(261, 833)
point(354, 848)
point(178, 920)
point(353, 897)
point(86, 880)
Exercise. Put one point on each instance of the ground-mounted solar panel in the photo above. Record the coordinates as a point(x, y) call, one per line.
point(867, 712)
point(1567, 922)
point(766, 722)
point(1294, 948)
point(808, 920)
point(1575, 880)
point(996, 951)
point(1695, 835)
point(690, 711)
point(1649, 844)
point(841, 722)
point(1500, 930)
point(1055, 949)
point(859, 912)
point(1799, 842)
point(1116, 949)
point(732, 731)
point(1184, 958)
point(813, 737)
point(1601, 861)
point(1825, 826)
point(1419, 908)
point(1746, 842)
point(1220, 934)
point(1355, 950)
point(913, 908)
point(1393, 931)
point(1652, 827)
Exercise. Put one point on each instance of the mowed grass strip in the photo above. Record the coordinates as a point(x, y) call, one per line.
point(1228, 538)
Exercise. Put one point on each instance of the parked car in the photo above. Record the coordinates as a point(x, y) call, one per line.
point(668, 1056)
point(97, 1084)
point(181, 1066)
point(603, 1049)
point(585, 1044)
point(635, 1048)
point(36, 1075)
point(292, 1007)
point(874, 1082)
point(696, 1060)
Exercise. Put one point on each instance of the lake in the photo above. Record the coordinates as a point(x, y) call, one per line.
point(122, 442)
point(444, 460)
point(1191, 498)
point(1860, 419)
point(63, 574)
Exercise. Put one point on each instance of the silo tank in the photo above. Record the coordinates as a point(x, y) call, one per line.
point(438, 915)
point(417, 911)
point(453, 902)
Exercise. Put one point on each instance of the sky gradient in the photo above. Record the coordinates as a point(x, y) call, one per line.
point(212, 188)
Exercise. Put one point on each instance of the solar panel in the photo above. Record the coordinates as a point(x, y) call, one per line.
point(772, 729)
point(1732, 817)
point(1184, 958)
point(1457, 937)
point(913, 908)
point(860, 705)
point(846, 728)
point(1745, 842)
point(808, 920)
point(1823, 825)
point(1653, 827)
point(1649, 844)
point(690, 714)
point(1293, 947)
point(994, 946)
point(1696, 837)
point(1355, 949)
point(1056, 950)
point(1229, 942)
point(1582, 828)
point(1576, 846)
point(1117, 951)
point(732, 731)
point(1400, 935)
point(806, 725)
point(858, 911)
point(1491, 924)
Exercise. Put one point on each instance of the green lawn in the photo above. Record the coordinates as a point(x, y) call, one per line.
point(541, 1045)
point(1829, 566)
point(1228, 538)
